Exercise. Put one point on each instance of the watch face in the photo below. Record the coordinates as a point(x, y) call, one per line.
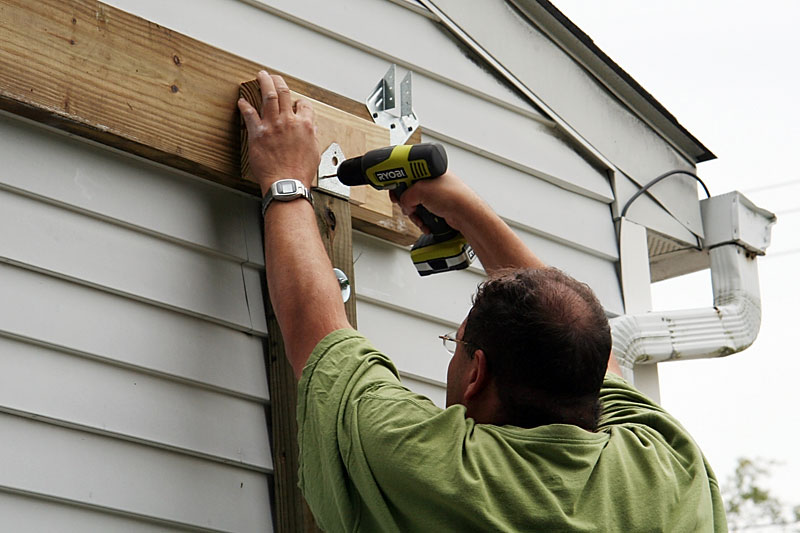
point(286, 187)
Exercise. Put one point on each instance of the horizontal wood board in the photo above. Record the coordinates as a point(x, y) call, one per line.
point(94, 70)
point(373, 209)
point(324, 55)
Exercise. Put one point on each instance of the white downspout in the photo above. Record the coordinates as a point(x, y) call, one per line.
point(736, 232)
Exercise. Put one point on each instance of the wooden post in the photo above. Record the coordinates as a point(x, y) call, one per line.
point(291, 513)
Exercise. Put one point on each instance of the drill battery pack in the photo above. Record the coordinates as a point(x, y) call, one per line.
point(441, 253)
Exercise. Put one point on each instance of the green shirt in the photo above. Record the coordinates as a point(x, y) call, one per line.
point(375, 457)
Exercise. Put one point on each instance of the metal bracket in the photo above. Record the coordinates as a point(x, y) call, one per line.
point(381, 105)
point(331, 158)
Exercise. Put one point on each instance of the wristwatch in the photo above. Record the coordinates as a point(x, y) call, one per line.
point(285, 191)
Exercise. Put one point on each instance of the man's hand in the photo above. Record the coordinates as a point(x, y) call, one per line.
point(281, 142)
point(443, 196)
point(496, 245)
point(304, 292)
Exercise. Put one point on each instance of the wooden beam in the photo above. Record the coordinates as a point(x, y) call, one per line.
point(104, 74)
point(372, 210)
point(291, 512)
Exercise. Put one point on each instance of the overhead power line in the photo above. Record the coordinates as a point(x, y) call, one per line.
point(791, 251)
point(771, 186)
point(788, 211)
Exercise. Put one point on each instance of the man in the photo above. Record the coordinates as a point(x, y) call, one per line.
point(536, 436)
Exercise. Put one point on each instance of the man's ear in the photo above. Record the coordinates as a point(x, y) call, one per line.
point(477, 376)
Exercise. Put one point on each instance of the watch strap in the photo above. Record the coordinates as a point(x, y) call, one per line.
point(268, 198)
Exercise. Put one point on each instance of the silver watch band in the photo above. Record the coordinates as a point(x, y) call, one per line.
point(302, 192)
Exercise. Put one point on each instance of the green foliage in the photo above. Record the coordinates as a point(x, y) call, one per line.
point(750, 506)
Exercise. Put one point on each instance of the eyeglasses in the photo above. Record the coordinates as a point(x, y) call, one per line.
point(450, 342)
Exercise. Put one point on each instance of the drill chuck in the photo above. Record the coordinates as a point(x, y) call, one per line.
point(350, 172)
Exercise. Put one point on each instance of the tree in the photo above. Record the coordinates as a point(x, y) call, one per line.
point(750, 506)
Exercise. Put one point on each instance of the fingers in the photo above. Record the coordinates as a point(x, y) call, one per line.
point(270, 105)
point(418, 222)
point(408, 205)
point(250, 115)
point(284, 96)
point(303, 109)
point(411, 198)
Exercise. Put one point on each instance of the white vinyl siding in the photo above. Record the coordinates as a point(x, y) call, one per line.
point(40, 383)
point(132, 376)
point(128, 333)
point(106, 473)
point(23, 512)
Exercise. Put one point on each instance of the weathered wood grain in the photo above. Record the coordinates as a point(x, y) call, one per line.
point(104, 74)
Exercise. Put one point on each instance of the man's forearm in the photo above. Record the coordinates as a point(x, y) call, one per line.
point(496, 245)
point(494, 242)
point(304, 292)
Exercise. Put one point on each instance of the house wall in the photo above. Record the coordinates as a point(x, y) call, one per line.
point(556, 199)
point(509, 151)
point(132, 311)
point(133, 386)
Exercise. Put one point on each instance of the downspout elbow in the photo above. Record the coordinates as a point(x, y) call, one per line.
point(732, 324)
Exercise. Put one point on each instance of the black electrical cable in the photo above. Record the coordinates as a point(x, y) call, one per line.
point(656, 180)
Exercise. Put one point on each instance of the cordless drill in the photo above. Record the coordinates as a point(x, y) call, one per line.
point(398, 167)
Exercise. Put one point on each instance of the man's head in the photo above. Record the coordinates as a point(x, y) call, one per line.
point(536, 344)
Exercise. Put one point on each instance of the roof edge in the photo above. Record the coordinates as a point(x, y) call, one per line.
point(581, 47)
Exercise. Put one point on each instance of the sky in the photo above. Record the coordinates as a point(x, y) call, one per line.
point(728, 71)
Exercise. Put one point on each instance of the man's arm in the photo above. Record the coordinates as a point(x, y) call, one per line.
point(302, 287)
point(496, 245)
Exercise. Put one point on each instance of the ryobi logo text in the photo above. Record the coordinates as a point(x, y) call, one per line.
point(391, 174)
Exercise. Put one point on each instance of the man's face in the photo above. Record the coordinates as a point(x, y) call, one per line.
point(457, 371)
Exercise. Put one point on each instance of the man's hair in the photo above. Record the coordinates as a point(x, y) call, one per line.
point(547, 342)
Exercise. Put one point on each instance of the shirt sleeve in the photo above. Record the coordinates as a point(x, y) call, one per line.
point(625, 407)
point(620, 401)
point(343, 368)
